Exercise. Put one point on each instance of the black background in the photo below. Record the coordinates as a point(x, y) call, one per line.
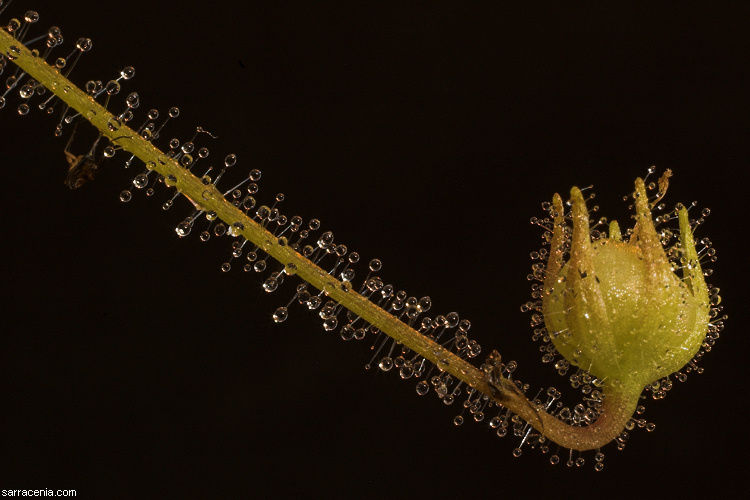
point(425, 135)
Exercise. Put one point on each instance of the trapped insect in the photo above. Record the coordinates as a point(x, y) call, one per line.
point(82, 168)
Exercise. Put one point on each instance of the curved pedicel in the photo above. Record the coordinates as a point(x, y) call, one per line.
point(611, 306)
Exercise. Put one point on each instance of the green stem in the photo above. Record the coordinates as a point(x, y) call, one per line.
point(618, 408)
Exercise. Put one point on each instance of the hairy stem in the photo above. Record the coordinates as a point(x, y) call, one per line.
point(618, 408)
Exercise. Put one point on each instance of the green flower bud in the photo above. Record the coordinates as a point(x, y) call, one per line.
point(616, 308)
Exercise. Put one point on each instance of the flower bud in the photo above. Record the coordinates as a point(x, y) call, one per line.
point(616, 308)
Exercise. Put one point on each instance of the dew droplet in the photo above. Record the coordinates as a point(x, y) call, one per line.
point(140, 181)
point(132, 100)
point(113, 124)
point(127, 72)
point(30, 16)
point(270, 285)
point(13, 25)
point(386, 364)
point(314, 302)
point(112, 87)
point(26, 91)
point(347, 332)
point(183, 229)
point(280, 315)
point(406, 371)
